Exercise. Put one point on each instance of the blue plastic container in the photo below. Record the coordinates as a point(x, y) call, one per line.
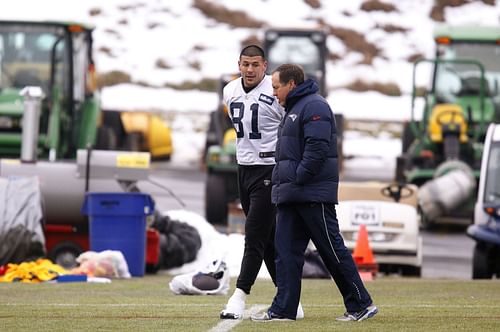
point(117, 221)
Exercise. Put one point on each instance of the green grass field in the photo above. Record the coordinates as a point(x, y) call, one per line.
point(147, 304)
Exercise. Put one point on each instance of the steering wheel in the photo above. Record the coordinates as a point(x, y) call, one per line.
point(396, 191)
point(451, 112)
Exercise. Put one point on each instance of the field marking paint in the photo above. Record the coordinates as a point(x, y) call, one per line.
point(259, 307)
point(110, 304)
point(228, 324)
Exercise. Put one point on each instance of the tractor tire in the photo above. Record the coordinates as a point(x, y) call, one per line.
point(407, 137)
point(425, 222)
point(153, 268)
point(65, 254)
point(211, 137)
point(411, 271)
point(106, 139)
point(216, 199)
point(399, 174)
point(133, 142)
point(481, 263)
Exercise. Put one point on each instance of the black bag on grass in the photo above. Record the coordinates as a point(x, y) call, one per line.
point(179, 242)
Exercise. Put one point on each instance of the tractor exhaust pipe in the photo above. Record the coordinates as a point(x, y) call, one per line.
point(33, 96)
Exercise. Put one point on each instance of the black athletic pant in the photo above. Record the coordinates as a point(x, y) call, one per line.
point(254, 183)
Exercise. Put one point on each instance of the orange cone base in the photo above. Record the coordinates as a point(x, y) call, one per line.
point(366, 275)
point(363, 256)
point(367, 272)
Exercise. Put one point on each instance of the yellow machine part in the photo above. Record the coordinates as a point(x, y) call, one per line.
point(135, 122)
point(160, 138)
point(229, 136)
point(157, 135)
point(450, 114)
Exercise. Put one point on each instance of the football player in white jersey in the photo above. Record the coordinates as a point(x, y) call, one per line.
point(256, 115)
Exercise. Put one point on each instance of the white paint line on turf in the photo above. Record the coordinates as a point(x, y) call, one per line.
point(107, 305)
point(228, 324)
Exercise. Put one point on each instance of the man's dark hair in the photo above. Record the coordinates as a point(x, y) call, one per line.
point(253, 50)
point(288, 72)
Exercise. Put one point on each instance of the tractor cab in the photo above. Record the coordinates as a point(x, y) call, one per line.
point(56, 57)
point(303, 47)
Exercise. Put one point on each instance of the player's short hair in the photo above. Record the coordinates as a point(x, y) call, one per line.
point(288, 72)
point(253, 50)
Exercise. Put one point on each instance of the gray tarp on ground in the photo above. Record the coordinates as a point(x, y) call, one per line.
point(21, 217)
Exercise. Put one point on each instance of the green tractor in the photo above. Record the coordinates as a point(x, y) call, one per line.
point(307, 48)
point(442, 144)
point(221, 186)
point(47, 130)
point(57, 57)
point(304, 47)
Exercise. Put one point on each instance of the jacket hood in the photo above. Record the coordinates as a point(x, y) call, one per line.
point(308, 87)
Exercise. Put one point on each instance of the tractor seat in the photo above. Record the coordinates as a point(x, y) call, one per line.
point(471, 86)
point(447, 119)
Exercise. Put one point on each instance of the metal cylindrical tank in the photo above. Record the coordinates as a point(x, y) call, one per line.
point(62, 191)
point(453, 184)
point(63, 183)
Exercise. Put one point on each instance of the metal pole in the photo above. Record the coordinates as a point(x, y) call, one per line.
point(33, 96)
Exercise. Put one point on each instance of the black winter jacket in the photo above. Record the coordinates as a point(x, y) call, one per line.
point(306, 167)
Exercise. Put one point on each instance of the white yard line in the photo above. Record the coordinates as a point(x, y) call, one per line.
point(252, 310)
point(108, 304)
point(228, 324)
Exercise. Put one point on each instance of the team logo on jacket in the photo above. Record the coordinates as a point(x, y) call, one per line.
point(293, 117)
point(266, 99)
point(267, 182)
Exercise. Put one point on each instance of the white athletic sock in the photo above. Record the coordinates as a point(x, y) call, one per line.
point(236, 303)
point(300, 312)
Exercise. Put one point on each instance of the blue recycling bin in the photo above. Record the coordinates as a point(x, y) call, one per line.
point(117, 221)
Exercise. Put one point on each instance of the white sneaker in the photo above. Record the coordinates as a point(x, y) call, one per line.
point(359, 316)
point(235, 306)
point(300, 312)
point(271, 316)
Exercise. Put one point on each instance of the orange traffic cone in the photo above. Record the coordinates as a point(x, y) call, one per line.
point(363, 256)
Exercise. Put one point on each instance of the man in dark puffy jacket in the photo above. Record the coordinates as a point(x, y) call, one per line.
point(305, 183)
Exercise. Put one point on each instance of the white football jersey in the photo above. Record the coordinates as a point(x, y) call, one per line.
point(256, 116)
